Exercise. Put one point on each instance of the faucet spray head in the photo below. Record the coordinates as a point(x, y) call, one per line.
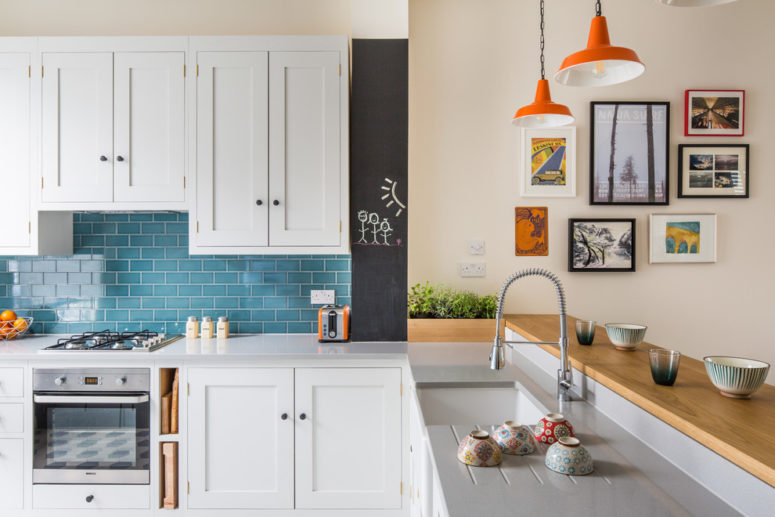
point(497, 356)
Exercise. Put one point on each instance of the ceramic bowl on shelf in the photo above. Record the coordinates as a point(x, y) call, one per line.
point(479, 450)
point(568, 456)
point(513, 438)
point(625, 336)
point(736, 377)
point(552, 427)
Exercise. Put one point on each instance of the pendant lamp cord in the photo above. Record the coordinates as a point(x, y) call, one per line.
point(543, 71)
point(598, 9)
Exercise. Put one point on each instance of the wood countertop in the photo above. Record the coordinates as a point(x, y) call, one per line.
point(740, 430)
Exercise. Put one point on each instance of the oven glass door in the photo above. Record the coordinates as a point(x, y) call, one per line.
point(92, 439)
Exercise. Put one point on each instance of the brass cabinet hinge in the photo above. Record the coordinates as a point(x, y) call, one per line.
point(184, 182)
point(401, 389)
point(402, 488)
point(188, 389)
point(41, 182)
point(197, 69)
point(197, 227)
point(340, 226)
point(188, 487)
point(340, 70)
point(29, 226)
point(41, 70)
point(184, 70)
point(29, 71)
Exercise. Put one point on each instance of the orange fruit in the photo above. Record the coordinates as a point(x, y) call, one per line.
point(20, 324)
point(7, 330)
point(7, 316)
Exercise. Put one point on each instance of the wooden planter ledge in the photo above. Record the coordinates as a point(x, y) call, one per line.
point(738, 430)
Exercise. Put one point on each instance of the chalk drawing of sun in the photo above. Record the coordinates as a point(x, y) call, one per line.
point(390, 197)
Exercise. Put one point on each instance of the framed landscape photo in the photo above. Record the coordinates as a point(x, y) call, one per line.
point(549, 162)
point(629, 153)
point(601, 245)
point(714, 113)
point(713, 170)
point(682, 238)
point(531, 231)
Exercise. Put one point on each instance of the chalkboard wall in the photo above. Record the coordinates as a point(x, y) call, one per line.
point(378, 188)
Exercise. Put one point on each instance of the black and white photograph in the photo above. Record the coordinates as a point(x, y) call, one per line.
point(629, 153)
point(601, 245)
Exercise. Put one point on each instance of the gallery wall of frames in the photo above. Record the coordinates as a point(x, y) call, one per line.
point(629, 150)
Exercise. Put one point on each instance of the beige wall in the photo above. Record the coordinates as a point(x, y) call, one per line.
point(472, 64)
point(172, 17)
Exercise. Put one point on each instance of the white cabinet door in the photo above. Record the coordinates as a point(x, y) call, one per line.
point(240, 452)
point(77, 127)
point(11, 473)
point(304, 149)
point(348, 438)
point(15, 150)
point(149, 126)
point(231, 197)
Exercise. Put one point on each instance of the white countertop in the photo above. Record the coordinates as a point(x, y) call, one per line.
point(237, 347)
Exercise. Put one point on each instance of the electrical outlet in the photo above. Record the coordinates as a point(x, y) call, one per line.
point(476, 247)
point(469, 269)
point(327, 297)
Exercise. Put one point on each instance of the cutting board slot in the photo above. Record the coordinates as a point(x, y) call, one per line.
point(168, 485)
point(169, 388)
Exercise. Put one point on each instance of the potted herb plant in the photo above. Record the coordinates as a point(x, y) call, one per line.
point(440, 313)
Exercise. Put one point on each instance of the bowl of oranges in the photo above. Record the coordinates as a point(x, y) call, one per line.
point(12, 326)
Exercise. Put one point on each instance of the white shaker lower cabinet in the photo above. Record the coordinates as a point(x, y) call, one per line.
point(348, 438)
point(11, 473)
point(240, 452)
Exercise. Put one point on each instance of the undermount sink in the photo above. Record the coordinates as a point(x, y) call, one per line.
point(447, 404)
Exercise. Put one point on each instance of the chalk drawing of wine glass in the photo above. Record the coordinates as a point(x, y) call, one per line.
point(363, 217)
point(386, 230)
point(391, 194)
point(374, 222)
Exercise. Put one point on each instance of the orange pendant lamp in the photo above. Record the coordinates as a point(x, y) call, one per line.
point(600, 64)
point(542, 112)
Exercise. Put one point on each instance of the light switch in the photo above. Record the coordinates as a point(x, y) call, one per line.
point(476, 247)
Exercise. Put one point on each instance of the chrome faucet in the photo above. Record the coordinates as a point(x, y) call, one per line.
point(498, 356)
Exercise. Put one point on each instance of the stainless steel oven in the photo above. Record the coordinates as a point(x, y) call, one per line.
point(91, 426)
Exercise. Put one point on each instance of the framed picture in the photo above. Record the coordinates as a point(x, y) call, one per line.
point(682, 238)
point(713, 170)
point(601, 245)
point(714, 113)
point(531, 231)
point(549, 162)
point(629, 153)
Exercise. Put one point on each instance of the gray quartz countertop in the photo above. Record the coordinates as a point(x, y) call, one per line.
point(237, 347)
point(630, 478)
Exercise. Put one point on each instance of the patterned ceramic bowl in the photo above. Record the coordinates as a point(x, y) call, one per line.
point(567, 456)
point(513, 438)
point(625, 336)
point(479, 450)
point(552, 427)
point(736, 377)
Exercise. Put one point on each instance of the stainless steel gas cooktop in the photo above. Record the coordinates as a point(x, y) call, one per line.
point(107, 341)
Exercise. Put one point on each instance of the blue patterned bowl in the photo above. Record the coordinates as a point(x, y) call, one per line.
point(516, 439)
point(567, 456)
point(625, 336)
point(736, 377)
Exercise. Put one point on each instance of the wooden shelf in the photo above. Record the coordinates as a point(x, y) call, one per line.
point(168, 479)
point(739, 430)
point(169, 390)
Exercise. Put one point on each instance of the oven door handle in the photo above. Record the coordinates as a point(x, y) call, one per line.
point(90, 399)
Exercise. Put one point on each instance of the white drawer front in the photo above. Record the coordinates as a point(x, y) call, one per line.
point(11, 418)
point(102, 496)
point(11, 473)
point(12, 382)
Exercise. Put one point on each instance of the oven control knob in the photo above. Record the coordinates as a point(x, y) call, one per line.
point(89, 498)
point(59, 381)
point(120, 381)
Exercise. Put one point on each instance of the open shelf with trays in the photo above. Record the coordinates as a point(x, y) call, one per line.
point(169, 406)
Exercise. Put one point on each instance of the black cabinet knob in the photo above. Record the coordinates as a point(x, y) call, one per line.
point(284, 416)
point(89, 498)
point(259, 202)
point(303, 416)
point(275, 202)
point(103, 158)
point(120, 158)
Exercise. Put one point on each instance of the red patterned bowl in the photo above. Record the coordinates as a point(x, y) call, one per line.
point(479, 450)
point(551, 427)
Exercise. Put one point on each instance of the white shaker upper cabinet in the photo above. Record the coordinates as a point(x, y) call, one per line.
point(240, 451)
point(15, 150)
point(348, 438)
point(77, 127)
point(149, 137)
point(305, 149)
point(232, 156)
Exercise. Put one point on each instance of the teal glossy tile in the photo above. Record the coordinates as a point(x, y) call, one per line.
point(141, 290)
point(116, 315)
point(299, 302)
point(153, 278)
point(129, 228)
point(262, 315)
point(128, 303)
point(238, 265)
point(116, 290)
point(251, 278)
point(183, 240)
point(178, 303)
point(223, 302)
point(324, 278)
point(175, 327)
point(262, 265)
point(287, 290)
point(44, 290)
point(103, 228)
point(299, 327)
point(117, 240)
point(165, 216)
point(105, 303)
point(166, 240)
point(299, 278)
point(190, 265)
point(275, 278)
point(141, 265)
point(92, 290)
point(78, 328)
point(249, 328)
point(190, 290)
point(128, 253)
point(181, 228)
point(251, 303)
point(238, 290)
point(165, 290)
point(128, 278)
point(344, 278)
point(141, 217)
point(55, 328)
point(116, 218)
point(275, 328)
point(214, 265)
point(47, 266)
point(117, 265)
point(201, 278)
point(214, 290)
point(37, 278)
point(288, 265)
point(152, 228)
point(92, 266)
point(49, 278)
point(176, 278)
point(82, 228)
point(273, 302)
point(141, 240)
point(152, 253)
point(165, 315)
point(225, 278)
point(344, 300)
point(337, 265)
point(312, 265)
point(176, 253)
point(78, 278)
point(165, 265)
point(152, 302)
point(68, 290)
point(96, 217)
point(308, 314)
point(262, 290)
point(45, 315)
point(287, 315)
point(238, 315)
point(202, 303)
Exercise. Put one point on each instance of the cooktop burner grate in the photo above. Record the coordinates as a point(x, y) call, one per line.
point(104, 340)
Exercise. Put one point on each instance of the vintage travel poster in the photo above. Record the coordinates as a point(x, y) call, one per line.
point(547, 162)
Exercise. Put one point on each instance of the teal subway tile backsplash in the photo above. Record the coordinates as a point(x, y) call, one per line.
point(133, 271)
